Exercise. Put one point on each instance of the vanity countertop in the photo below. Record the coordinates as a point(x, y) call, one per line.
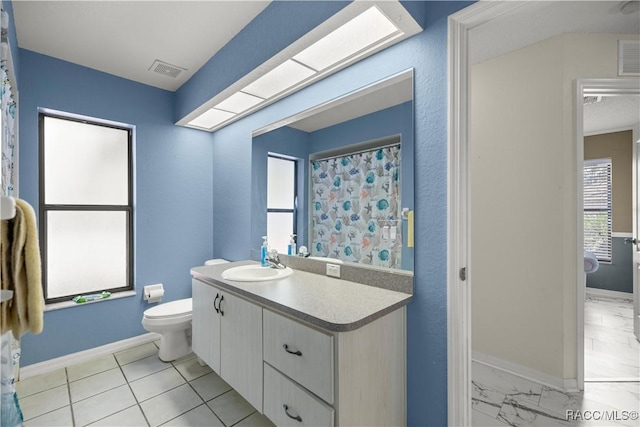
point(329, 303)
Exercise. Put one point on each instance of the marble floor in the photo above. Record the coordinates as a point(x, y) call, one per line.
point(612, 389)
point(134, 388)
point(611, 351)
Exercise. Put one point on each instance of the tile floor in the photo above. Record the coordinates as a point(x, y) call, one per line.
point(134, 388)
point(612, 386)
point(611, 351)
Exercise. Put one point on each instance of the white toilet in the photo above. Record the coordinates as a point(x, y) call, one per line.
point(172, 320)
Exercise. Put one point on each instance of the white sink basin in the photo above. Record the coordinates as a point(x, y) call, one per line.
point(255, 273)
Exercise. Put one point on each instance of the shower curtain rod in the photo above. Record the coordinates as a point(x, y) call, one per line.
point(352, 153)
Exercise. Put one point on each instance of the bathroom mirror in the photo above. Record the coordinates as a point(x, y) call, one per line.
point(344, 171)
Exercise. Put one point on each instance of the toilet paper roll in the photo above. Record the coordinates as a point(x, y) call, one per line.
point(155, 295)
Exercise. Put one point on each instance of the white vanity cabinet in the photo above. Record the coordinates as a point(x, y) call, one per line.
point(205, 324)
point(314, 377)
point(227, 335)
point(305, 350)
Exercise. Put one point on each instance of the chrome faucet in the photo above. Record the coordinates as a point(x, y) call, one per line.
point(274, 260)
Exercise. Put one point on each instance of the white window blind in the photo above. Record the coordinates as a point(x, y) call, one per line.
point(597, 208)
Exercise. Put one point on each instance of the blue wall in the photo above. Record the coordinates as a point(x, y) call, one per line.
point(285, 141)
point(291, 142)
point(180, 172)
point(279, 25)
point(391, 121)
point(427, 328)
point(617, 276)
point(173, 204)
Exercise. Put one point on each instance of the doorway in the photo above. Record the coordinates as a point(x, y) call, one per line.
point(608, 323)
point(460, 269)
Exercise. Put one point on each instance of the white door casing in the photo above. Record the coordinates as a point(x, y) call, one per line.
point(636, 231)
point(458, 242)
point(459, 291)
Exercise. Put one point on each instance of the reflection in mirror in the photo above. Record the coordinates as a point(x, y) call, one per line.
point(352, 180)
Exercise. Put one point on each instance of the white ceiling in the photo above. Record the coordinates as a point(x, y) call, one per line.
point(362, 103)
point(528, 24)
point(613, 113)
point(124, 38)
point(540, 20)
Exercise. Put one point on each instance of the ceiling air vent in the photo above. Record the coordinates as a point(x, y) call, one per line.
point(629, 57)
point(165, 69)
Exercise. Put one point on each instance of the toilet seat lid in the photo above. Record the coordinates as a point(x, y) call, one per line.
point(168, 309)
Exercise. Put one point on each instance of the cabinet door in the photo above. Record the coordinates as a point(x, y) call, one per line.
point(241, 348)
point(302, 353)
point(288, 404)
point(205, 324)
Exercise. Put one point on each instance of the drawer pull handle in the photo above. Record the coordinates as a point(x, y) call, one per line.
point(214, 302)
point(220, 305)
point(286, 348)
point(286, 411)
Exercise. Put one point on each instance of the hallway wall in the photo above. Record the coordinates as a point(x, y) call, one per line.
point(523, 181)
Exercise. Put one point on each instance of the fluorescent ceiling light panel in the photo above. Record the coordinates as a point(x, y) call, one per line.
point(239, 102)
point(284, 76)
point(211, 118)
point(361, 32)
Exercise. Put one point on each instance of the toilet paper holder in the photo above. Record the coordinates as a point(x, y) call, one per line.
point(153, 293)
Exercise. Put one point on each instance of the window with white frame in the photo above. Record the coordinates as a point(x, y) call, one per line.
point(86, 207)
point(281, 201)
point(597, 208)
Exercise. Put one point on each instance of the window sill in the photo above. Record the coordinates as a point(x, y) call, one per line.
point(68, 304)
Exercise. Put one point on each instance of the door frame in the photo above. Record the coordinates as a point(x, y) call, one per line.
point(458, 239)
point(635, 217)
point(594, 87)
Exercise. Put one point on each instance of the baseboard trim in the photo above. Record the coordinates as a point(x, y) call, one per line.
point(570, 384)
point(612, 380)
point(85, 355)
point(606, 293)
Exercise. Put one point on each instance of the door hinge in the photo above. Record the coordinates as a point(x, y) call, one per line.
point(463, 273)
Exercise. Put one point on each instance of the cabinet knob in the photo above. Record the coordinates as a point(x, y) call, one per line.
point(286, 411)
point(286, 348)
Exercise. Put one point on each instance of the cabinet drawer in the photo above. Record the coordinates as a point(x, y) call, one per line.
point(288, 404)
point(303, 354)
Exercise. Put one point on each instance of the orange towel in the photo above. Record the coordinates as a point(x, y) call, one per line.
point(20, 272)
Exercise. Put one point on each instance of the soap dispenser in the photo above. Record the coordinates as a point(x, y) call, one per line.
point(264, 252)
point(291, 249)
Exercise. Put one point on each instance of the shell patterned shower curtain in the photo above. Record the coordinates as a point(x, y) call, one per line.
point(356, 207)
